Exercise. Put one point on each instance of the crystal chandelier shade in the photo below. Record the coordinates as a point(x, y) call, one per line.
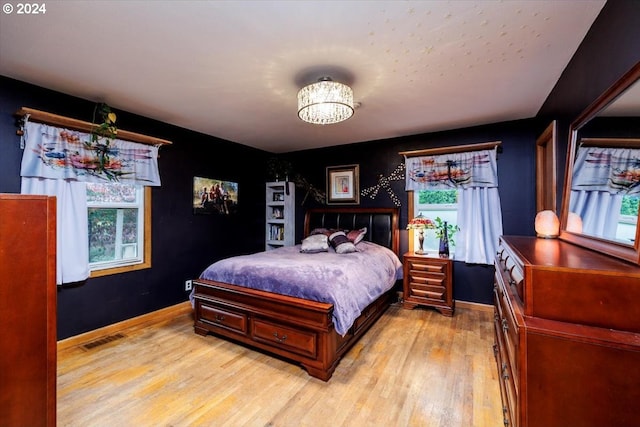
point(325, 102)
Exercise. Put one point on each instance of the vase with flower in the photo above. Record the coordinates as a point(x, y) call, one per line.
point(420, 223)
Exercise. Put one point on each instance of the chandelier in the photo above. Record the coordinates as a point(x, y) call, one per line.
point(325, 102)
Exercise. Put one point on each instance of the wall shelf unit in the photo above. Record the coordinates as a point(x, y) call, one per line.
point(280, 215)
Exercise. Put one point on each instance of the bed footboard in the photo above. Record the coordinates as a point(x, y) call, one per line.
point(296, 329)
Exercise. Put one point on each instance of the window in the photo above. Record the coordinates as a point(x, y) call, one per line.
point(119, 227)
point(434, 204)
point(628, 218)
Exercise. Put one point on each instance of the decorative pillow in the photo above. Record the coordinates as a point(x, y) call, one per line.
point(324, 231)
point(314, 244)
point(356, 236)
point(341, 243)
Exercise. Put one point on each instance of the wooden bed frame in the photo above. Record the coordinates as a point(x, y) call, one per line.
point(296, 329)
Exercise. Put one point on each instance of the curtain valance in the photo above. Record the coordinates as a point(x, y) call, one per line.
point(454, 170)
point(614, 170)
point(57, 153)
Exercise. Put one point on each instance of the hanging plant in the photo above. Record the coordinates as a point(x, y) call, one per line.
point(101, 139)
point(278, 169)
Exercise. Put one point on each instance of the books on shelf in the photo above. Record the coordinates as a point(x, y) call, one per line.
point(276, 232)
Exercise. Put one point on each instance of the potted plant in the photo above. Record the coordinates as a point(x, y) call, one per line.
point(445, 232)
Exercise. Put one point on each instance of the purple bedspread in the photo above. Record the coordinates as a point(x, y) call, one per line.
point(349, 281)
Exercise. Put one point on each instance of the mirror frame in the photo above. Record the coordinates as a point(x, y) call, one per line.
point(609, 247)
point(546, 182)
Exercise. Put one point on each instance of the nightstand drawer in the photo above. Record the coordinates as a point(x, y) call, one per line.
point(432, 292)
point(427, 279)
point(432, 266)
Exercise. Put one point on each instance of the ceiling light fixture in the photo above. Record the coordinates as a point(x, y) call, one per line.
point(325, 102)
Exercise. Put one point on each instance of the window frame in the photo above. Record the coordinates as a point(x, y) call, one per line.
point(146, 261)
point(412, 202)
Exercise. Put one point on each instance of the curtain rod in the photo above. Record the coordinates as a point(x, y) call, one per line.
point(80, 125)
point(453, 149)
point(610, 142)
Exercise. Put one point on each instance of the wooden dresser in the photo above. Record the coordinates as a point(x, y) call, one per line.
point(428, 282)
point(27, 310)
point(567, 335)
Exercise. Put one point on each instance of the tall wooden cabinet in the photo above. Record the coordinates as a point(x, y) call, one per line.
point(27, 310)
point(567, 335)
point(280, 215)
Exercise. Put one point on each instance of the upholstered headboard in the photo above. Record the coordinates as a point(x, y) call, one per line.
point(381, 223)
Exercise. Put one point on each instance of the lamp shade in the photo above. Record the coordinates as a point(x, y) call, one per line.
point(325, 102)
point(547, 224)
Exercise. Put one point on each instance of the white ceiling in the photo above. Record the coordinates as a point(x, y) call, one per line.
point(232, 69)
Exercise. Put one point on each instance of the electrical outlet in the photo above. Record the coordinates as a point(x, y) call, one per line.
point(187, 285)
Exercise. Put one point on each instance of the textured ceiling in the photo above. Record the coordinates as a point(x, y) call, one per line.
point(232, 69)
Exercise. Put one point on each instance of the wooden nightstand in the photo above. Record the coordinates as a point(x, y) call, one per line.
point(428, 282)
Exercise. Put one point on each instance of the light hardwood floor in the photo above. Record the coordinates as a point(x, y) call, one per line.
point(412, 368)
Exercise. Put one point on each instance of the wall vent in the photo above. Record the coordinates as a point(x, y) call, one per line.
point(102, 341)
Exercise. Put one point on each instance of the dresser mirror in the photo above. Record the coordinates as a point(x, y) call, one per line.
point(602, 180)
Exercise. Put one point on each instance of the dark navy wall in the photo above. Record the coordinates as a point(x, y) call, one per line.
point(610, 48)
point(183, 244)
point(516, 177)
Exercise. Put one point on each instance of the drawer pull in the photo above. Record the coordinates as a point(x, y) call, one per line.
point(219, 318)
point(279, 338)
point(505, 326)
point(495, 350)
point(505, 374)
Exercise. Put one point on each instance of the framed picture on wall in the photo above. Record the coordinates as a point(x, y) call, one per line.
point(343, 185)
point(214, 196)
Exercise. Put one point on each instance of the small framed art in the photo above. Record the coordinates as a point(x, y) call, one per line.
point(342, 185)
point(214, 196)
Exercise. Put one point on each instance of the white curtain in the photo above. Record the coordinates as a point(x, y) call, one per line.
point(475, 175)
point(455, 170)
point(602, 176)
point(599, 210)
point(614, 170)
point(480, 222)
point(58, 162)
point(72, 241)
point(57, 153)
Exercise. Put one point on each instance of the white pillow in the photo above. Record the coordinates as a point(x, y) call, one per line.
point(314, 244)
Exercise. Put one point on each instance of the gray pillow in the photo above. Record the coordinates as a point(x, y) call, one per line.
point(314, 244)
